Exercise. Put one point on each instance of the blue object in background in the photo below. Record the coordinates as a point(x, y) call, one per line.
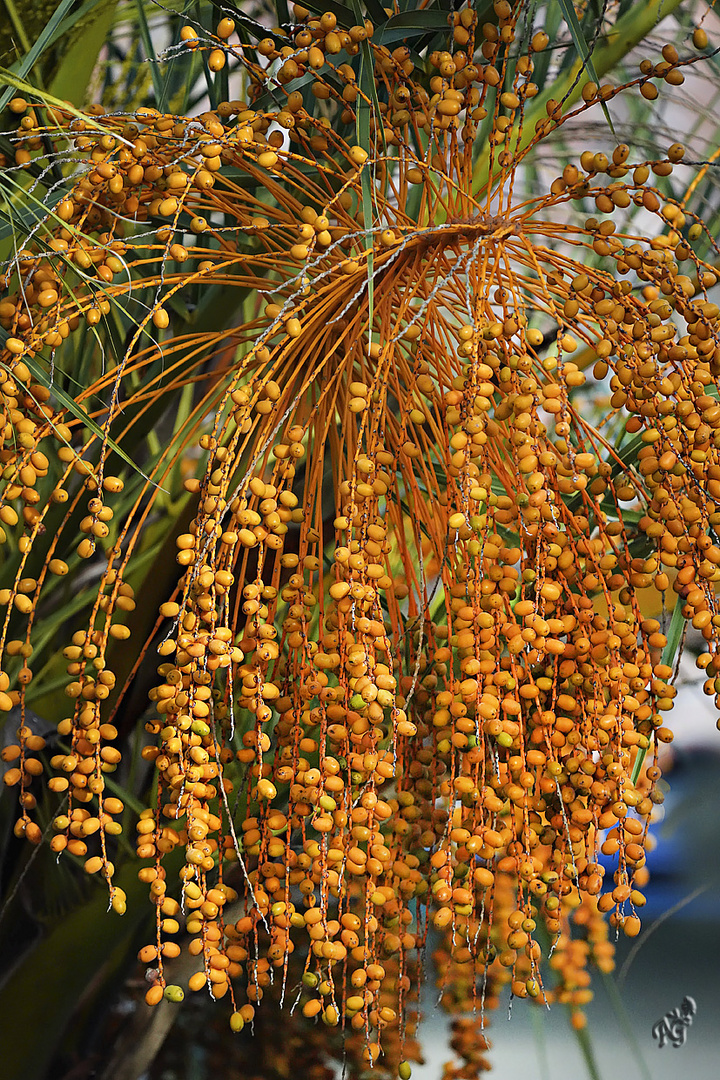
point(686, 857)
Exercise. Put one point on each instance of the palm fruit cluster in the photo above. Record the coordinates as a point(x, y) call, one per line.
point(404, 689)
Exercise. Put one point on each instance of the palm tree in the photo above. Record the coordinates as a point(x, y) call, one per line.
point(356, 427)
